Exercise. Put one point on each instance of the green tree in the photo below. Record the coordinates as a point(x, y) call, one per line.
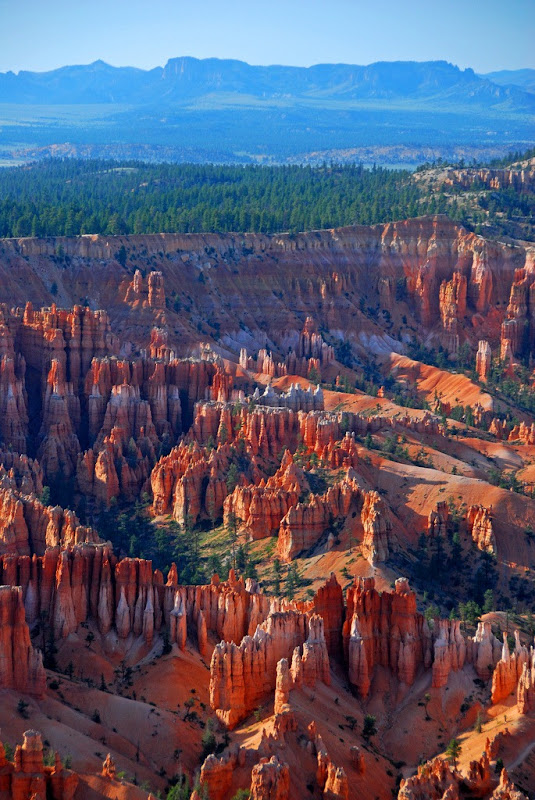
point(232, 535)
point(276, 579)
point(369, 728)
point(232, 478)
point(208, 741)
point(453, 751)
point(488, 604)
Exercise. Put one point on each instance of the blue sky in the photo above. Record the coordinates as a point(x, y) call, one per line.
point(483, 34)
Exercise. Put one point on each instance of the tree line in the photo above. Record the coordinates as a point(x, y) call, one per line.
point(68, 197)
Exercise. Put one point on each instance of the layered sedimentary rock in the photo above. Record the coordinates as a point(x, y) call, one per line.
point(522, 432)
point(148, 293)
point(329, 604)
point(216, 776)
point(191, 482)
point(379, 540)
point(452, 302)
point(506, 789)
point(516, 325)
point(102, 420)
point(311, 353)
point(296, 398)
point(384, 629)
point(87, 582)
point(28, 526)
point(508, 670)
point(438, 780)
point(479, 520)
point(240, 675)
point(261, 508)
point(13, 405)
point(270, 780)
point(525, 694)
point(437, 521)
point(521, 180)
point(483, 360)
point(451, 650)
point(27, 776)
point(21, 666)
point(20, 473)
point(435, 780)
point(315, 658)
point(305, 523)
point(331, 779)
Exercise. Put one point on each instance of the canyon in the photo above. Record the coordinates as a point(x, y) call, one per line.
point(267, 405)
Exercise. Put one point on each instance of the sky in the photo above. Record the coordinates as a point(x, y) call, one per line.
point(486, 35)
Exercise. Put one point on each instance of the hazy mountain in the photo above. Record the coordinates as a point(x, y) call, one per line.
point(225, 110)
point(523, 78)
point(185, 79)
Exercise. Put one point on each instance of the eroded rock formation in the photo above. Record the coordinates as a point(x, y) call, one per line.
point(270, 780)
point(21, 666)
point(27, 776)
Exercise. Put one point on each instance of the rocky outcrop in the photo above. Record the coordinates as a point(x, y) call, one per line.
point(21, 666)
point(191, 482)
point(108, 768)
point(384, 629)
point(435, 780)
point(449, 651)
point(13, 406)
point(378, 541)
point(508, 670)
point(20, 473)
point(479, 780)
point(296, 398)
point(506, 789)
point(452, 303)
point(523, 432)
point(311, 353)
point(216, 776)
point(521, 180)
point(479, 520)
point(483, 360)
point(27, 526)
point(315, 658)
point(148, 293)
point(27, 776)
point(437, 522)
point(516, 326)
point(87, 582)
point(329, 604)
point(331, 779)
point(270, 780)
point(240, 675)
point(305, 523)
point(261, 508)
point(525, 695)
point(102, 420)
point(483, 650)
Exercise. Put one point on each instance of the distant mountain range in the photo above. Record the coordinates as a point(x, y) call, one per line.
point(523, 78)
point(230, 111)
point(185, 80)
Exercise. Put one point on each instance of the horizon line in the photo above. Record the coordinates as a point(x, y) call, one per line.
point(265, 66)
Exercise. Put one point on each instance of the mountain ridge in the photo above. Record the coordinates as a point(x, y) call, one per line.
point(185, 78)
